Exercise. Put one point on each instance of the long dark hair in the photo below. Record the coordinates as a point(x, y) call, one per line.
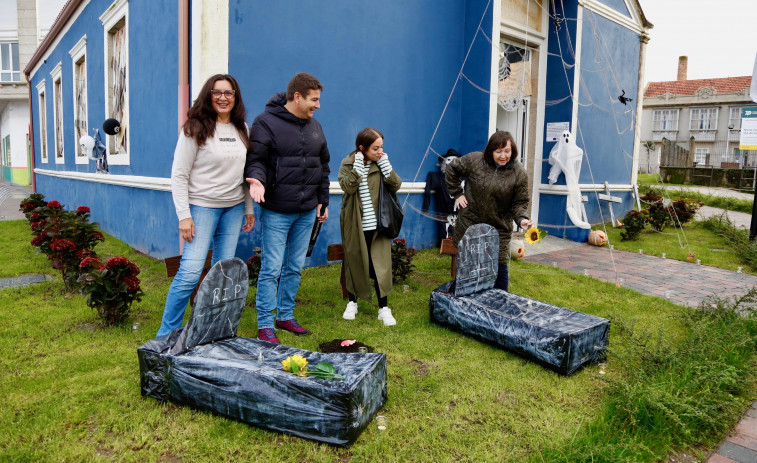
point(201, 117)
point(366, 137)
point(499, 140)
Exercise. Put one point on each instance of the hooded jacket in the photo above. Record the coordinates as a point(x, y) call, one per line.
point(289, 156)
point(496, 196)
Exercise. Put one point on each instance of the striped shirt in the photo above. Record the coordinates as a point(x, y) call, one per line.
point(369, 214)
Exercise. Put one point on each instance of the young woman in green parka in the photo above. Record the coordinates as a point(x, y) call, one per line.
point(367, 254)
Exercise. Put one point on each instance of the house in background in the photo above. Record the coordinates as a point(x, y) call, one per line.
point(430, 74)
point(709, 110)
point(23, 25)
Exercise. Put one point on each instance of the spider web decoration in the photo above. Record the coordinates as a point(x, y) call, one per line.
point(514, 76)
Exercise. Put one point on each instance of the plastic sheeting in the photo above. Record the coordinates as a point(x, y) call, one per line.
point(557, 337)
point(205, 366)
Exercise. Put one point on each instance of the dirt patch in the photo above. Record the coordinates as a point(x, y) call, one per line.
point(421, 368)
point(335, 347)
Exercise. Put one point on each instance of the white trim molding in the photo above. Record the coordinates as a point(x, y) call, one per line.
point(164, 184)
point(54, 45)
point(118, 10)
point(57, 77)
point(79, 52)
point(633, 23)
point(44, 153)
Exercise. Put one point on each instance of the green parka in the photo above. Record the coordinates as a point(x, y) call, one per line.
point(351, 224)
point(496, 196)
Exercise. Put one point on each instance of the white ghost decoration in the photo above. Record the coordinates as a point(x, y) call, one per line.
point(566, 157)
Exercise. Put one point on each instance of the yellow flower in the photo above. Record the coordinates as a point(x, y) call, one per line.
point(534, 235)
point(298, 360)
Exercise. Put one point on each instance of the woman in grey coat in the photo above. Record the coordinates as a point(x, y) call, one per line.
point(496, 193)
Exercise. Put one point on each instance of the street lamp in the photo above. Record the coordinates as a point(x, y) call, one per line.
point(728, 142)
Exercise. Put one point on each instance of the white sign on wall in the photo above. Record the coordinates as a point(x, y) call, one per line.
point(748, 140)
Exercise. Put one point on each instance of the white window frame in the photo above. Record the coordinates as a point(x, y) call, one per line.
point(697, 119)
point(42, 108)
point(736, 121)
point(56, 76)
point(700, 156)
point(115, 14)
point(665, 120)
point(79, 55)
point(13, 72)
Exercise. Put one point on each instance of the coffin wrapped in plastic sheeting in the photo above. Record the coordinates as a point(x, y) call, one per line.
point(204, 365)
point(559, 338)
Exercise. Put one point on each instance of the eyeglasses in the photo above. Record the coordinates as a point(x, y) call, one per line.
point(227, 93)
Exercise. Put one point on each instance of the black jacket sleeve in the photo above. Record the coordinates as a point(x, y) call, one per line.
point(259, 156)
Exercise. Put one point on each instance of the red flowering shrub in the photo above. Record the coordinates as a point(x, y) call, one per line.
point(81, 210)
point(402, 260)
point(55, 204)
point(30, 204)
point(110, 288)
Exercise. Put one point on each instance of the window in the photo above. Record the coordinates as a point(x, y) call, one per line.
point(42, 121)
point(7, 151)
point(79, 58)
point(9, 65)
point(58, 112)
point(704, 119)
point(735, 119)
point(701, 155)
point(665, 120)
point(115, 22)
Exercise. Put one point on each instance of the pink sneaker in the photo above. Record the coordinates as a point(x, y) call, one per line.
point(268, 335)
point(293, 327)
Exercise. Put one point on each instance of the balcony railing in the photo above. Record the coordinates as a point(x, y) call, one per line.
point(658, 135)
point(703, 135)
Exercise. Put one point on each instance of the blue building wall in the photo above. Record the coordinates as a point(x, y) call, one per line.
point(604, 128)
point(143, 218)
point(390, 65)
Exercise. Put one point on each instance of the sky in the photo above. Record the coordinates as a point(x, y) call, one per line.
point(718, 36)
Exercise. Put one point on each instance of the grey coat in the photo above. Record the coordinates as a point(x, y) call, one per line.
point(496, 196)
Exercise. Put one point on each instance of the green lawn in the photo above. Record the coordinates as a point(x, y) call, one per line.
point(70, 387)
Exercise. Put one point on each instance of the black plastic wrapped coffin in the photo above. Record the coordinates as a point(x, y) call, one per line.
point(559, 338)
point(205, 366)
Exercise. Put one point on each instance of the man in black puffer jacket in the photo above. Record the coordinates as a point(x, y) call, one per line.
point(288, 173)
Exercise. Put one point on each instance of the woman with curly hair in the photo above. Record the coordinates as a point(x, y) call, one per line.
point(207, 183)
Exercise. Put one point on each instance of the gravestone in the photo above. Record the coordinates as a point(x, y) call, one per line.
point(556, 337)
point(206, 366)
point(477, 259)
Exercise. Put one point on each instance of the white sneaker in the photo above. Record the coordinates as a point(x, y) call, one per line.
point(350, 311)
point(385, 315)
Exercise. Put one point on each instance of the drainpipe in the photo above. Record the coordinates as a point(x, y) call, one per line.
point(183, 61)
point(31, 133)
point(183, 73)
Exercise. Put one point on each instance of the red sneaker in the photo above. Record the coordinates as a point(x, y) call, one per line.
point(268, 335)
point(293, 327)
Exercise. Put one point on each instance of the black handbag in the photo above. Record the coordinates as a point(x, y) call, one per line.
point(389, 215)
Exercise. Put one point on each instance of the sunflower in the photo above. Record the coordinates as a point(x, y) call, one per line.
point(295, 364)
point(534, 235)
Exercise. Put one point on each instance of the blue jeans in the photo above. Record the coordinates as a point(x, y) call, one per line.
point(285, 244)
point(503, 277)
point(218, 227)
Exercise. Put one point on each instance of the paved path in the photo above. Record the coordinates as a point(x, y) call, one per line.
point(708, 190)
point(683, 283)
point(10, 198)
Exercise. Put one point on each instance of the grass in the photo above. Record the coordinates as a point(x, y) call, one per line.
point(706, 244)
point(70, 387)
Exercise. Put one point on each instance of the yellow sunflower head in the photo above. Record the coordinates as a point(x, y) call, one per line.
point(533, 235)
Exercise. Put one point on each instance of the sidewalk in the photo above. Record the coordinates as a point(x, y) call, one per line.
point(708, 190)
point(683, 283)
point(10, 199)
